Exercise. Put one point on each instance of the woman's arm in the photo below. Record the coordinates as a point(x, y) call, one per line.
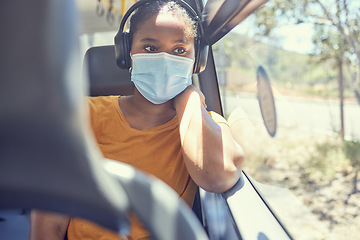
point(212, 157)
point(49, 226)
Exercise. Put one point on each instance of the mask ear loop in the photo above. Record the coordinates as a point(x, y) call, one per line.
point(130, 68)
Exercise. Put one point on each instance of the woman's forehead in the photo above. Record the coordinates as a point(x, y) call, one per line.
point(165, 23)
point(169, 20)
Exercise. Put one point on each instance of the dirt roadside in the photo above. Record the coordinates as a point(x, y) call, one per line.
point(292, 160)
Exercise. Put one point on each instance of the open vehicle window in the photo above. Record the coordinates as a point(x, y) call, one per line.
point(303, 172)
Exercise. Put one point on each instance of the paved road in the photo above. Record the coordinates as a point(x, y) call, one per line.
point(318, 116)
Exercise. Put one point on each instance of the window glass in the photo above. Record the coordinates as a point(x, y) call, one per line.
point(305, 172)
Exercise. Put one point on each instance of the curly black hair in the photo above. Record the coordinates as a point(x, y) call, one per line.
point(155, 7)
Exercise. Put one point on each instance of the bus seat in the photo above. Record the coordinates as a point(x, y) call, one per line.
point(105, 77)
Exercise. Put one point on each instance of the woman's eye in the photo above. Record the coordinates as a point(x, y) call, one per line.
point(150, 48)
point(180, 50)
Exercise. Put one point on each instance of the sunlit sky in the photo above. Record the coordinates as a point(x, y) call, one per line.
point(296, 38)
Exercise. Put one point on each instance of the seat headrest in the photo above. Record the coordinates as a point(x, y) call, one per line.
point(105, 77)
point(49, 158)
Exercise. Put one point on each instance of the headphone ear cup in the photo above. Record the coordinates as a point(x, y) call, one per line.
point(127, 49)
point(122, 50)
point(201, 56)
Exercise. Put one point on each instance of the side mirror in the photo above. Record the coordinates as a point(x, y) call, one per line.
point(266, 101)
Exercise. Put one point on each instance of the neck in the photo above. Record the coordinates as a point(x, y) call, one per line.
point(142, 114)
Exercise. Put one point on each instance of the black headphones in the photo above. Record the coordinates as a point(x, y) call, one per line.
point(123, 42)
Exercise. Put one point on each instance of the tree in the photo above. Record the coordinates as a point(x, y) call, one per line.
point(352, 151)
point(336, 37)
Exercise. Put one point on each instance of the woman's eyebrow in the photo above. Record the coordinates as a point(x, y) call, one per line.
point(155, 40)
point(149, 40)
point(181, 41)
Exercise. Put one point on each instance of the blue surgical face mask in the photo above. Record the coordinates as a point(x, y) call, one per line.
point(160, 77)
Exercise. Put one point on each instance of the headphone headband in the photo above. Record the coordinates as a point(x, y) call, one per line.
point(142, 2)
point(123, 44)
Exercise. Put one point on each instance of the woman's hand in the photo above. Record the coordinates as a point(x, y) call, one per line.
point(46, 225)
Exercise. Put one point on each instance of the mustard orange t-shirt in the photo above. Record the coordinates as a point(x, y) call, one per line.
point(156, 151)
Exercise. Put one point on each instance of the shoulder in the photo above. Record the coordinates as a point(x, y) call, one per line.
point(100, 107)
point(102, 103)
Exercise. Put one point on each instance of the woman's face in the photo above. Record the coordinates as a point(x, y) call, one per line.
point(163, 33)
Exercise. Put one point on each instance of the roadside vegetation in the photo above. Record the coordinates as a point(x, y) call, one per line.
point(291, 73)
